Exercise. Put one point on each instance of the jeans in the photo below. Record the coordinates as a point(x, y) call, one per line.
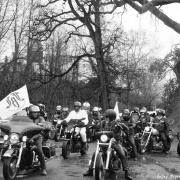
point(164, 141)
point(131, 140)
point(38, 143)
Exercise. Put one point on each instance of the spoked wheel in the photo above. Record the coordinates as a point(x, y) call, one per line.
point(143, 145)
point(66, 149)
point(9, 168)
point(99, 168)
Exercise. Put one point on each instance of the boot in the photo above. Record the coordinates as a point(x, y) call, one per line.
point(88, 173)
point(44, 172)
point(127, 175)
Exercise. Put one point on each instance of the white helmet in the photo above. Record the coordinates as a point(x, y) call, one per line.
point(58, 108)
point(95, 109)
point(34, 108)
point(86, 105)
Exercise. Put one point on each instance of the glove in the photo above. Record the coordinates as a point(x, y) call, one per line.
point(81, 124)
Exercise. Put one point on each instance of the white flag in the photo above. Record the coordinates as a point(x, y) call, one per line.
point(116, 109)
point(14, 102)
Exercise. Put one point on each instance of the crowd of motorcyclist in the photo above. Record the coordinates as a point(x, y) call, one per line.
point(130, 122)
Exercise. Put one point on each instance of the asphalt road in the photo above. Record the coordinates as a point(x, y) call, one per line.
point(153, 166)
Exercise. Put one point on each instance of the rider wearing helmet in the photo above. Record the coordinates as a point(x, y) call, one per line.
point(111, 124)
point(43, 112)
point(86, 106)
point(58, 112)
point(96, 114)
point(82, 116)
point(34, 114)
point(144, 116)
point(65, 112)
point(129, 122)
point(135, 114)
point(163, 128)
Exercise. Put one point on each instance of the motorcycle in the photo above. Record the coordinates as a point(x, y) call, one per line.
point(72, 142)
point(151, 141)
point(106, 159)
point(19, 146)
point(91, 130)
point(60, 130)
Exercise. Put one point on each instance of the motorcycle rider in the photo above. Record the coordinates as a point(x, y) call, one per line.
point(135, 114)
point(96, 116)
point(58, 112)
point(82, 116)
point(111, 124)
point(86, 106)
point(129, 122)
point(163, 128)
point(144, 116)
point(34, 114)
point(65, 112)
point(43, 112)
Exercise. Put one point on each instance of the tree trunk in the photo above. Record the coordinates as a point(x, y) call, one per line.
point(175, 114)
point(100, 59)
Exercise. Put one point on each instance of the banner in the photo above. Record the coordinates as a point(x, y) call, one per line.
point(116, 109)
point(14, 103)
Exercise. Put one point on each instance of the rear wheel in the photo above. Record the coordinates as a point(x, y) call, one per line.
point(66, 149)
point(178, 149)
point(99, 168)
point(9, 168)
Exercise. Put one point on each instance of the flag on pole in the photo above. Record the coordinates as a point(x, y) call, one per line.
point(14, 103)
point(116, 109)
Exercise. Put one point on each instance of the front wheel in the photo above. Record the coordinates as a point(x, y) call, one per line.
point(66, 149)
point(9, 168)
point(99, 168)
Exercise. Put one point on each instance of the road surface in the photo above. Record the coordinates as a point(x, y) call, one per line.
point(153, 166)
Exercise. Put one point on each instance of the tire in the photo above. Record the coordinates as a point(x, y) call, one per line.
point(57, 136)
point(66, 149)
point(178, 148)
point(52, 134)
point(8, 172)
point(99, 168)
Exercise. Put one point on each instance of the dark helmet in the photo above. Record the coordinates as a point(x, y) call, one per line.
point(111, 114)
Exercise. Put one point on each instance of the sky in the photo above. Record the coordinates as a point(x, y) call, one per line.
point(161, 37)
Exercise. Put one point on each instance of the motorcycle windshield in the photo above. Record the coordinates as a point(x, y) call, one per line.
point(21, 125)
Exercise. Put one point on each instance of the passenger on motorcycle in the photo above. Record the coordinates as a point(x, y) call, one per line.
point(129, 122)
point(34, 114)
point(163, 128)
point(111, 124)
point(65, 112)
point(82, 116)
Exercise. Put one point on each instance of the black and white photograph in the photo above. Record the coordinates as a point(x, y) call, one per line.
point(89, 89)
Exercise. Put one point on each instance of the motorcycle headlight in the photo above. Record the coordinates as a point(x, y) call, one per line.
point(147, 128)
point(6, 137)
point(14, 138)
point(104, 138)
